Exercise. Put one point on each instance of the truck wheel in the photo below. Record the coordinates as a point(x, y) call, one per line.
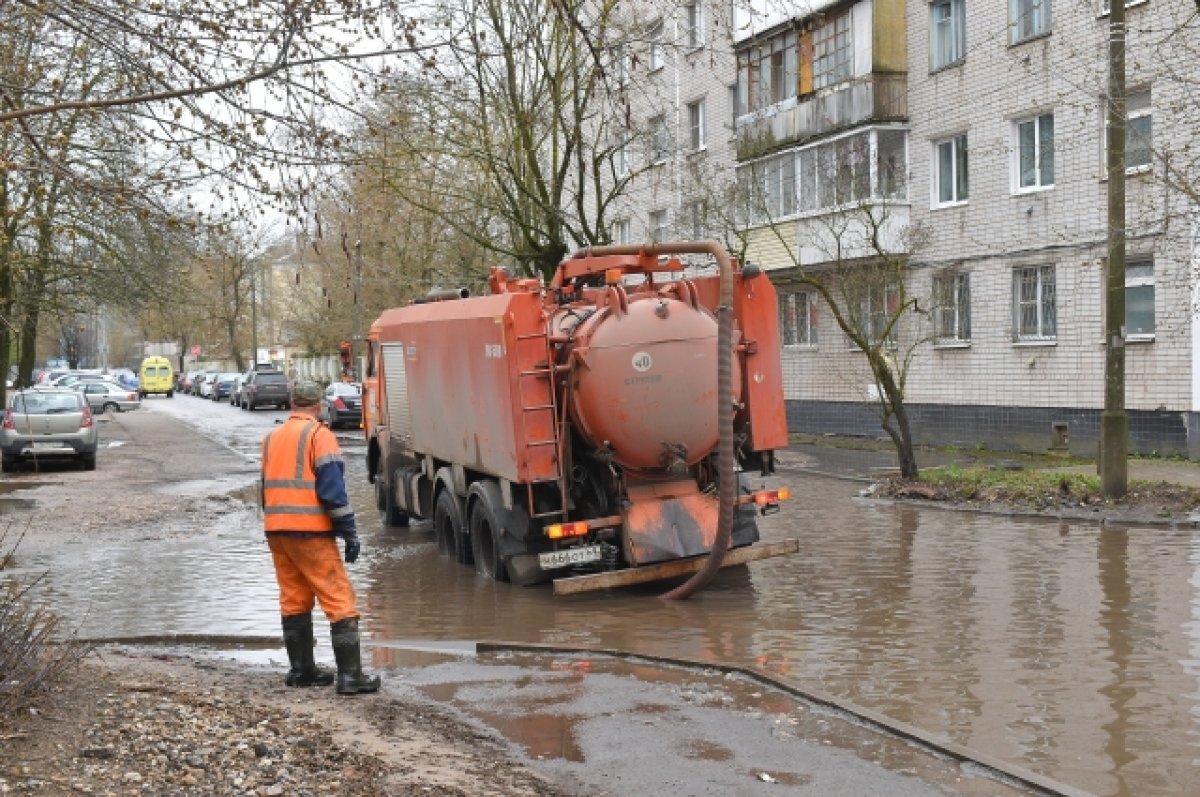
point(447, 525)
point(110, 406)
point(380, 496)
point(393, 515)
point(485, 533)
point(8, 465)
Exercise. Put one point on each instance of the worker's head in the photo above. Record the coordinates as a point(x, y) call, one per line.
point(306, 394)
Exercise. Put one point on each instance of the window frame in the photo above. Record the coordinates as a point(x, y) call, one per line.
point(619, 231)
point(656, 59)
point(1039, 154)
point(658, 226)
point(693, 25)
point(952, 308)
point(1045, 309)
point(959, 159)
point(659, 149)
point(1137, 282)
point(1146, 112)
point(833, 50)
point(957, 38)
point(697, 113)
point(1019, 10)
point(799, 321)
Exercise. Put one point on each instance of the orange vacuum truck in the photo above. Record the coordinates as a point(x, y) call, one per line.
point(569, 431)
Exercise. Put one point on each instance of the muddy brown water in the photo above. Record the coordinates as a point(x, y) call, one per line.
point(1071, 650)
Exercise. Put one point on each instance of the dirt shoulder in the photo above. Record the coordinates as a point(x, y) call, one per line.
point(134, 722)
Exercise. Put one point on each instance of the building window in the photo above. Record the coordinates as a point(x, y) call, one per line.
point(696, 125)
point(620, 231)
point(767, 73)
point(693, 25)
point(833, 53)
point(952, 307)
point(1139, 299)
point(1106, 6)
point(657, 57)
point(877, 307)
point(1035, 152)
point(658, 226)
point(950, 170)
point(798, 318)
point(1139, 128)
point(1034, 309)
point(620, 65)
point(620, 159)
point(824, 176)
point(658, 139)
point(948, 29)
point(1028, 19)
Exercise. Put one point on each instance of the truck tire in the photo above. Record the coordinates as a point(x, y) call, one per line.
point(448, 526)
point(393, 515)
point(485, 526)
point(380, 494)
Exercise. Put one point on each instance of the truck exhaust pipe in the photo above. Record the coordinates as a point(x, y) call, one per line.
point(727, 491)
point(446, 295)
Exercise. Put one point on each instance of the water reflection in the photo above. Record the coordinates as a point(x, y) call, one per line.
point(1055, 647)
point(1068, 649)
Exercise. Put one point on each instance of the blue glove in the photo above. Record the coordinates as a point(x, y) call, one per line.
point(353, 546)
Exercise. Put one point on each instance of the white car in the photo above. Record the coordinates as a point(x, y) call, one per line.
point(108, 396)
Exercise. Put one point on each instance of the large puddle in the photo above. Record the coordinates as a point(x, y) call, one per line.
point(1071, 650)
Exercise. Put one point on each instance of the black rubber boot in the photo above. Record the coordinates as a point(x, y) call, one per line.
point(298, 639)
point(350, 678)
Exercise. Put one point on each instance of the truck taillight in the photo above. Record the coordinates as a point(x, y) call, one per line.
point(558, 531)
point(337, 402)
point(765, 497)
point(8, 419)
point(87, 418)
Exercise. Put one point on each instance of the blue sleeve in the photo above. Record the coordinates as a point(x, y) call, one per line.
point(331, 491)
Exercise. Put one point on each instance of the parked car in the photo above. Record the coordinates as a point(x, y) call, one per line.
point(189, 381)
point(109, 396)
point(221, 385)
point(235, 390)
point(53, 423)
point(266, 387)
point(342, 405)
point(204, 384)
point(74, 379)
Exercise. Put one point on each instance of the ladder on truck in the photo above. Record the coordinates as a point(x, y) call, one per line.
point(537, 397)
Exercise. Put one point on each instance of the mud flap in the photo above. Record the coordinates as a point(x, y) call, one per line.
point(660, 528)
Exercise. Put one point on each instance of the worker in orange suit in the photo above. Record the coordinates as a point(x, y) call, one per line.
point(305, 510)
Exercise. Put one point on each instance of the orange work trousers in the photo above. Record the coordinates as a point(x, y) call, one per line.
point(308, 569)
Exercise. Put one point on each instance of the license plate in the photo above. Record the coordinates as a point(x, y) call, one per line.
point(46, 446)
point(569, 556)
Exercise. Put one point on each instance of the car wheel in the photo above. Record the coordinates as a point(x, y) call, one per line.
point(250, 406)
point(170, 393)
point(110, 406)
point(8, 465)
point(88, 461)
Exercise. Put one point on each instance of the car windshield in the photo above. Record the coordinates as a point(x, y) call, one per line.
point(29, 404)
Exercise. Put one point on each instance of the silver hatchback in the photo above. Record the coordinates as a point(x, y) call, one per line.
point(48, 423)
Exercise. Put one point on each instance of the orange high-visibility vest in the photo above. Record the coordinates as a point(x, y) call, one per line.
point(290, 455)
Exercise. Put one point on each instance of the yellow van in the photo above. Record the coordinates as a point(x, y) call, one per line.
point(156, 376)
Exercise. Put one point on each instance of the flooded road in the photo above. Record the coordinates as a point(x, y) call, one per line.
point(1071, 650)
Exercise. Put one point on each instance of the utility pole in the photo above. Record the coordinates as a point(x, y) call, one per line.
point(253, 314)
point(1114, 422)
point(354, 330)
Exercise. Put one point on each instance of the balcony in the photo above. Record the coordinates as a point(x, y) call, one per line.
point(874, 98)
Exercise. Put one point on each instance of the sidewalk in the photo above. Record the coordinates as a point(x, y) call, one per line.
point(867, 459)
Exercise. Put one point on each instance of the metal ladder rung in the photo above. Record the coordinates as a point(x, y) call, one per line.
point(534, 407)
point(542, 443)
point(541, 372)
point(555, 513)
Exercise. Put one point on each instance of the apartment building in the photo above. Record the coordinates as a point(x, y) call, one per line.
point(674, 69)
point(968, 139)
